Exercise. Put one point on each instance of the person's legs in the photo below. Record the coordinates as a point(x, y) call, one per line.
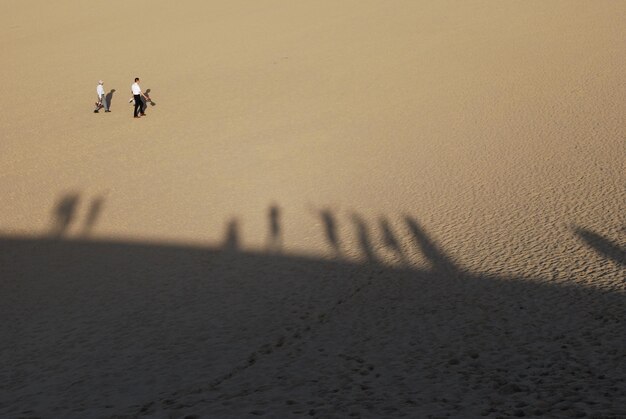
point(97, 105)
point(104, 103)
point(137, 105)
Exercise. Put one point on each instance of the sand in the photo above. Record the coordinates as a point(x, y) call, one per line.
point(332, 209)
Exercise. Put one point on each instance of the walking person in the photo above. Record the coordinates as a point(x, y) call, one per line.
point(137, 95)
point(102, 100)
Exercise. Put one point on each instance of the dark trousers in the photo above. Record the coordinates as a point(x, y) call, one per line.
point(138, 105)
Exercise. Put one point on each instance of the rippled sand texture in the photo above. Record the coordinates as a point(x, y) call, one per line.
point(366, 208)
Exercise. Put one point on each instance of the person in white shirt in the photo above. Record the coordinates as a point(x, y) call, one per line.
point(102, 100)
point(137, 95)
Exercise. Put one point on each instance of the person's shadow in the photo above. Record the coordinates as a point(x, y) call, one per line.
point(231, 238)
point(611, 250)
point(275, 240)
point(152, 103)
point(109, 97)
point(144, 102)
point(64, 214)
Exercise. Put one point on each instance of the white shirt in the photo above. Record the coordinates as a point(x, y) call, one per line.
point(100, 90)
point(136, 89)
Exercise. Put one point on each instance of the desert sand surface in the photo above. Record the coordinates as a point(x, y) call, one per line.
point(334, 209)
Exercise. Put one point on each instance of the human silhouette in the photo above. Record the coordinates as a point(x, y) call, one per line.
point(275, 235)
point(363, 238)
point(389, 239)
point(95, 208)
point(231, 239)
point(439, 260)
point(330, 229)
point(109, 97)
point(603, 246)
point(63, 214)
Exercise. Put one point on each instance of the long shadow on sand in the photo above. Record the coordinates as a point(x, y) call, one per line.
point(109, 97)
point(603, 246)
point(122, 329)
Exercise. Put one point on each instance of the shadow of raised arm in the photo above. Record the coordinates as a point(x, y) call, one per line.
point(439, 260)
point(603, 246)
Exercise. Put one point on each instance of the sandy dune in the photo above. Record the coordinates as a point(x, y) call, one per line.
point(333, 209)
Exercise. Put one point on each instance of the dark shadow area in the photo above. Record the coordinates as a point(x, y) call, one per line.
point(602, 245)
point(121, 329)
point(109, 97)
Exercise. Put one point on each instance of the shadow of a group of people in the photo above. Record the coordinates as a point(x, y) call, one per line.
point(65, 212)
point(188, 328)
